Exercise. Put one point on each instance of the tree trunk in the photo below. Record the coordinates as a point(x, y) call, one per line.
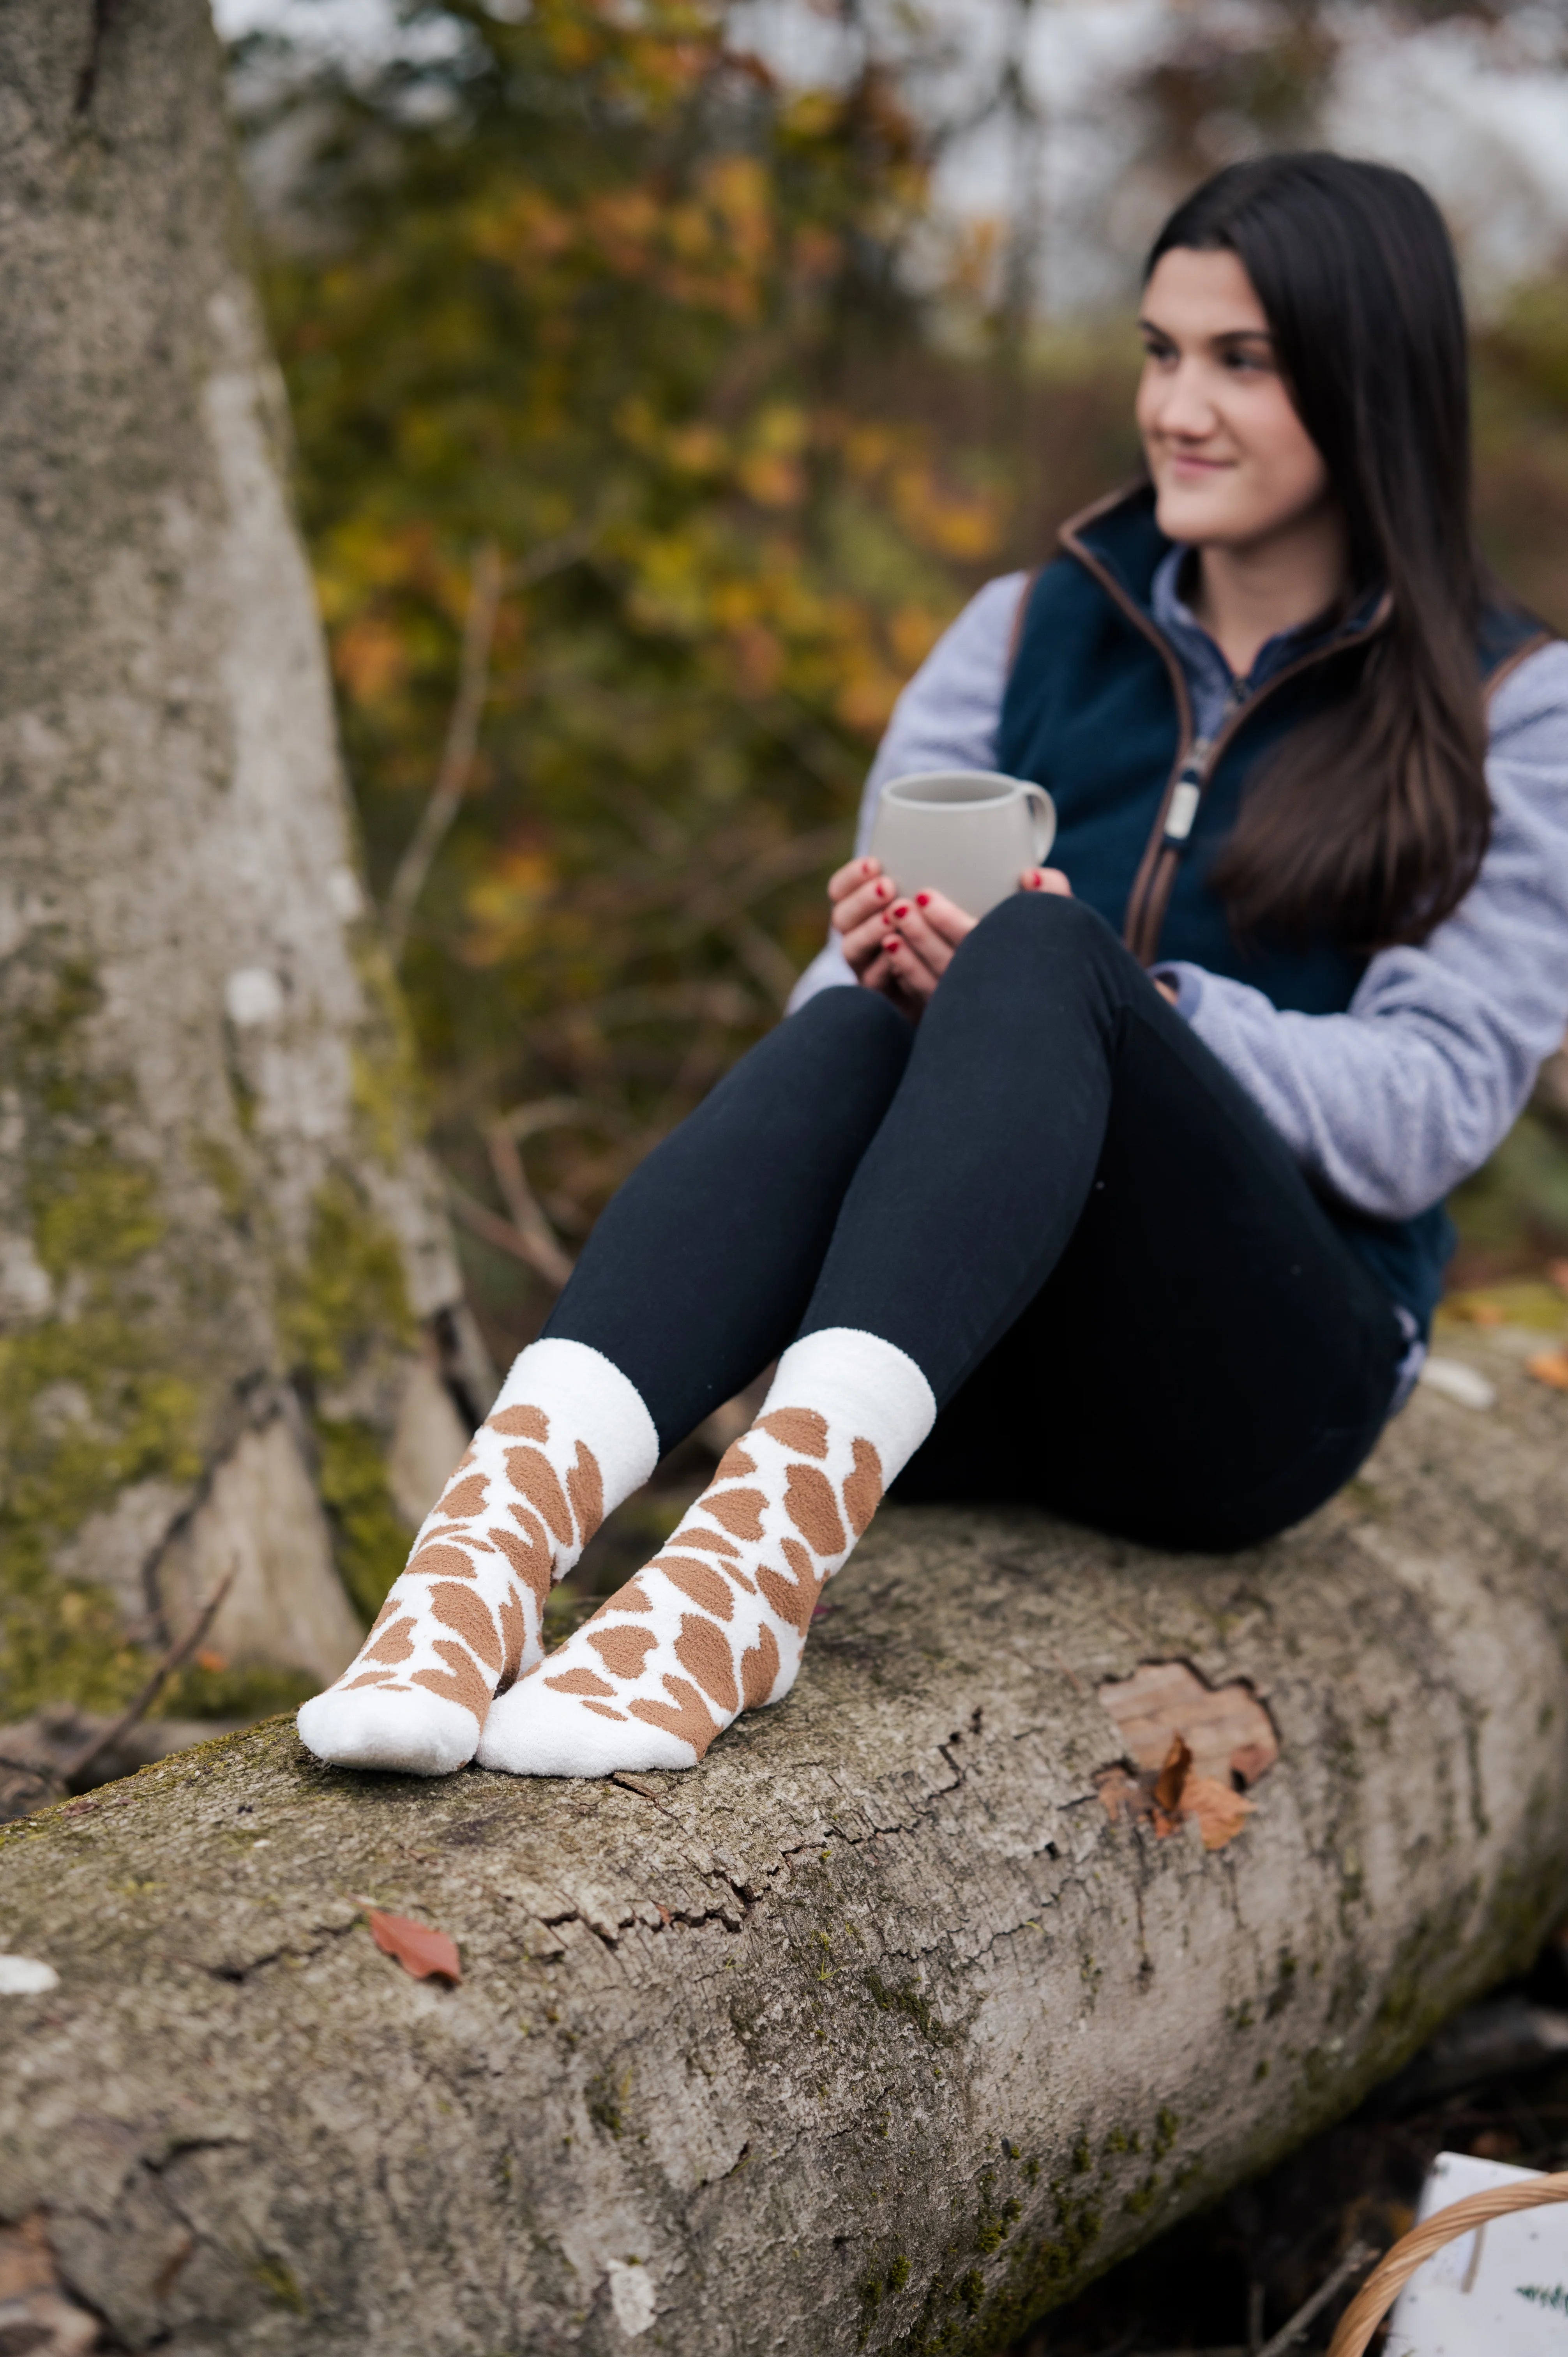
point(915, 2006)
point(221, 1255)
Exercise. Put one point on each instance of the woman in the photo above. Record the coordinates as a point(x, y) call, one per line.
point(1127, 1200)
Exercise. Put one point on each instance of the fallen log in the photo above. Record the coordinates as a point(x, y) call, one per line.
point(931, 1994)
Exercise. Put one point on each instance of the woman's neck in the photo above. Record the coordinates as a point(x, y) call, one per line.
point(1246, 595)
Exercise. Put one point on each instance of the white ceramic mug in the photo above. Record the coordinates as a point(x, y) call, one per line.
point(967, 833)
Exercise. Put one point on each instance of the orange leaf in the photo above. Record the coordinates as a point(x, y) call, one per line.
point(1219, 1813)
point(1550, 1367)
point(426, 1953)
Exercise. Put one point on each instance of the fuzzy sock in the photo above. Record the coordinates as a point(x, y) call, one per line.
point(716, 1623)
point(568, 1439)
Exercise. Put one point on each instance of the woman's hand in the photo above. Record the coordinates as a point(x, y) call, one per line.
point(921, 934)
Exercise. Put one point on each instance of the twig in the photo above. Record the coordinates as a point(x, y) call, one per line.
point(480, 1221)
point(177, 1655)
point(490, 582)
point(1357, 2259)
point(457, 753)
point(552, 1262)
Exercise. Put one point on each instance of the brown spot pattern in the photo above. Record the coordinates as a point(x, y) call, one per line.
point(862, 1488)
point(466, 1683)
point(460, 1499)
point(536, 1479)
point(521, 1423)
point(689, 1719)
point(605, 1711)
point(621, 1649)
point(739, 1511)
point(431, 1561)
point(515, 1636)
point(701, 1649)
point(579, 1682)
point(389, 1611)
point(630, 1598)
point(586, 1488)
point(735, 1464)
point(370, 1678)
point(758, 1668)
point(393, 1644)
point(811, 1505)
point(799, 1428)
point(791, 1600)
point(469, 1615)
point(714, 1541)
point(695, 1580)
point(470, 1537)
point(530, 1556)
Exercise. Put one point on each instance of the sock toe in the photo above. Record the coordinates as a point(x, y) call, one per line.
point(533, 1731)
point(400, 1733)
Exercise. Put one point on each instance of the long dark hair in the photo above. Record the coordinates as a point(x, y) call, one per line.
point(1371, 821)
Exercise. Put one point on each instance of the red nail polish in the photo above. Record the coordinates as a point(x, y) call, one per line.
point(902, 909)
point(883, 890)
point(922, 899)
point(887, 915)
point(865, 867)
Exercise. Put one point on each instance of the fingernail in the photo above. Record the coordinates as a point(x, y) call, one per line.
point(887, 915)
point(922, 899)
point(865, 867)
point(1035, 880)
point(883, 890)
point(902, 909)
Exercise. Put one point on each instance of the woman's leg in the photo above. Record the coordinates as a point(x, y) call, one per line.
point(1039, 1071)
point(694, 1279)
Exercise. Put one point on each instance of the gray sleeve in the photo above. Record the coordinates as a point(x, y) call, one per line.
point(945, 719)
point(1394, 1102)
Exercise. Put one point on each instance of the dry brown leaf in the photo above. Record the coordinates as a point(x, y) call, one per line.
point(1171, 1781)
point(1550, 1367)
point(427, 1954)
point(1219, 1813)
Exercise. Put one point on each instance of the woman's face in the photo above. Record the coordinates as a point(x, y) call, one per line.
point(1232, 462)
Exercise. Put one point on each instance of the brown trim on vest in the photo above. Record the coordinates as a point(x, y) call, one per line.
point(1015, 635)
point(1506, 669)
point(1145, 916)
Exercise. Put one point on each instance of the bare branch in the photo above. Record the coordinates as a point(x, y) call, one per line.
point(491, 579)
point(178, 1653)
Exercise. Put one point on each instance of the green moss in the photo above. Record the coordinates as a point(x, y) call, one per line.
point(252, 1692)
point(87, 1403)
point(910, 2001)
point(370, 1537)
point(279, 2284)
point(1166, 2126)
point(345, 1314)
point(350, 1301)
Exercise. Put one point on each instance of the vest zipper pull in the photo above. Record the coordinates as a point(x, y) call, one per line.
point(1189, 789)
point(1187, 793)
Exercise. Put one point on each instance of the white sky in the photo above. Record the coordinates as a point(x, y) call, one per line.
point(1481, 115)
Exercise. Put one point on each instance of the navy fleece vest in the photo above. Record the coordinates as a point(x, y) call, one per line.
point(1091, 712)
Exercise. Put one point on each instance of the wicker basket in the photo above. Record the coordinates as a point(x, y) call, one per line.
point(1382, 2288)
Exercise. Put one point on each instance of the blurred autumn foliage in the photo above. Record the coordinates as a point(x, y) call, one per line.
point(637, 477)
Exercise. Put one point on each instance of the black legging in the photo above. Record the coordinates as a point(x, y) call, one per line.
point(1126, 1299)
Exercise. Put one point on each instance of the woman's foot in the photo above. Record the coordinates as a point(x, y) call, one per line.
point(716, 1623)
point(566, 1440)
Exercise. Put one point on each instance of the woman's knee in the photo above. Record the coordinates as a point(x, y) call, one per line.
point(859, 1030)
point(1045, 933)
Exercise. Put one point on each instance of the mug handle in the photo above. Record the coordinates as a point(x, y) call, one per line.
point(1043, 822)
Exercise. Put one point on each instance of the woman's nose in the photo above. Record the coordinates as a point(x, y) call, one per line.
point(1184, 407)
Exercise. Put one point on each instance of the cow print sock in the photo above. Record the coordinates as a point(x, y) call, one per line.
point(568, 1439)
point(716, 1623)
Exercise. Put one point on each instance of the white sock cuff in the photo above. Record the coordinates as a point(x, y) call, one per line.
point(861, 1381)
point(594, 1403)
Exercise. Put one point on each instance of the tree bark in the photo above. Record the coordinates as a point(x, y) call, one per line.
point(221, 1257)
point(911, 2008)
